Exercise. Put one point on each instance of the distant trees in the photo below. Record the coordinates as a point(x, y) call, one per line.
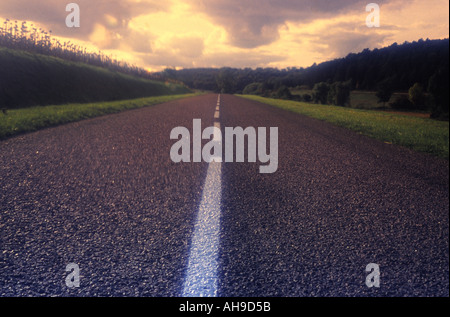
point(392, 69)
point(339, 94)
point(402, 102)
point(420, 66)
point(417, 96)
point(283, 92)
point(320, 93)
point(22, 36)
point(225, 81)
point(403, 65)
point(253, 89)
point(439, 92)
point(385, 91)
point(306, 98)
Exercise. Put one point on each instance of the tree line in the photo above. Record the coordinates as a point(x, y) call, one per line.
point(420, 69)
point(28, 37)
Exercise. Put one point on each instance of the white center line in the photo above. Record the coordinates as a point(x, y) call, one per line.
point(216, 115)
point(201, 277)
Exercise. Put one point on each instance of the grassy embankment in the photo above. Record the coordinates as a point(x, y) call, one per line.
point(420, 134)
point(28, 80)
point(19, 121)
point(39, 91)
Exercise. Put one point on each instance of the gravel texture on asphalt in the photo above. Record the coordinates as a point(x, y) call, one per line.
point(104, 194)
point(338, 202)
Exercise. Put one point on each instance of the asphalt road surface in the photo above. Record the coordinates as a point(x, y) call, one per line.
point(104, 194)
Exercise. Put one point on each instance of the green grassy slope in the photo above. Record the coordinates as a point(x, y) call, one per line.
point(18, 121)
point(28, 80)
point(420, 134)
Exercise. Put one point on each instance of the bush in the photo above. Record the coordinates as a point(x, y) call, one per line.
point(402, 103)
point(306, 98)
point(320, 93)
point(417, 96)
point(438, 89)
point(253, 89)
point(339, 94)
point(384, 92)
point(283, 93)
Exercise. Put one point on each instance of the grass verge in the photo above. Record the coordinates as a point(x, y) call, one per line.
point(420, 134)
point(18, 121)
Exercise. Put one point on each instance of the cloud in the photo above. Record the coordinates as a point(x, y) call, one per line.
point(236, 33)
point(112, 15)
point(190, 47)
point(242, 59)
point(254, 23)
point(341, 44)
point(343, 35)
point(139, 41)
point(216, 60)
point(176, 52)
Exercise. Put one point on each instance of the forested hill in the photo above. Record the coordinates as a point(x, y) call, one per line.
point(401, 66)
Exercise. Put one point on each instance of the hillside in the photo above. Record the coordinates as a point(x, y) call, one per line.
point(401, 65)
point(29, 79)
point(397, 68)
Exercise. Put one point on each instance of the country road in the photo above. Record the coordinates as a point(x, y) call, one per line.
point(104, 193)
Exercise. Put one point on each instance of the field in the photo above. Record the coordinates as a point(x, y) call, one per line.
point(19, 121)
point(420, 134)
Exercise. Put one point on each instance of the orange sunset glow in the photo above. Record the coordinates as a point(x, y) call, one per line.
point(217, 33)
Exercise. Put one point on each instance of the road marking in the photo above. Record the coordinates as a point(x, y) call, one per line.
point(217, 137)
point(217, 108)
point(217, 115)
point(201, 276)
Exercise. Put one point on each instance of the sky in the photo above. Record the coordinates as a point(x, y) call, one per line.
point(156, 34)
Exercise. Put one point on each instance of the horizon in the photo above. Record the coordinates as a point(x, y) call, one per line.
point(272, 67)
point(224, 149)
point(316, 63)
point(216, 34)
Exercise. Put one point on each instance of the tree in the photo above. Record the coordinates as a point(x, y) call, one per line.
point(339, 94)
point(417, 96)
point(438, 89)
point(384, 92)
point(225, 81)
point(170, 73)
point(306, 97)
point(402, 103)
point(283, 93)
point(253, 89)
point(320, 93)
